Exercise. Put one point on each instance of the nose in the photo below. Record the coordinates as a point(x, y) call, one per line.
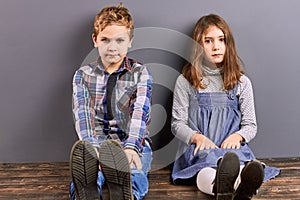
point(112, 46)
point(216, 46)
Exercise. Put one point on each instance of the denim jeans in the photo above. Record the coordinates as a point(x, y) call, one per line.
point(138, 177)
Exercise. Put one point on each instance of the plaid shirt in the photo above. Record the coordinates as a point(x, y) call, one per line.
point(130, 103)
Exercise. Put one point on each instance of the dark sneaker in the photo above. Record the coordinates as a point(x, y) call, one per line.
point(84, 168)
point(227, 171)
point(115, 167)
point(252, 177)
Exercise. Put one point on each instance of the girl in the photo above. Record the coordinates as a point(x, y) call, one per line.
point(214, 118)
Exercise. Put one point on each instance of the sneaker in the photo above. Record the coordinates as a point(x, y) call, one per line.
point(84, 168)
point(115, 167)
point(227, 171)
point(252, 177)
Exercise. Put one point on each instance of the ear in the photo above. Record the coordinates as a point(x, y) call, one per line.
point(94, 38)
point(130, 42)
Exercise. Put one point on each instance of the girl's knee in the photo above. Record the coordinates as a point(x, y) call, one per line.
point(205, 179)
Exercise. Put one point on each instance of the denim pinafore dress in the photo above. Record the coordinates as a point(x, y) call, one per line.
point(216, 115)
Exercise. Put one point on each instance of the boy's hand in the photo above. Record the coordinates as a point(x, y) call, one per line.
point(133, 157)
point(232, 142)
point(202, 142)
point(97, 153)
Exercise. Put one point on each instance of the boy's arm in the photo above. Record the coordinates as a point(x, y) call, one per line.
point(83, 112)
point(140, 111)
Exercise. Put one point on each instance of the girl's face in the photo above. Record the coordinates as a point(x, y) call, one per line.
point(213, 41)
point(113, 43)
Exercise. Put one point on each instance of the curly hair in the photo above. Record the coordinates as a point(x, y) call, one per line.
point(113, 15)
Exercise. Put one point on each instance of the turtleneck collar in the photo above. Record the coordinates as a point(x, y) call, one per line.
point(211, 72)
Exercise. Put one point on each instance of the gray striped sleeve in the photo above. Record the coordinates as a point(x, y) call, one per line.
point(179, 124)
point(246, 102)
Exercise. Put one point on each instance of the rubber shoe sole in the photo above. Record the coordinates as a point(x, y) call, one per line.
point(84, 167)
point(252, 177)
point(227, 172)
point(115, 167)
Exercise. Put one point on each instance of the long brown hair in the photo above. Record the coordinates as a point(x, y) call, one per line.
point(231, 64)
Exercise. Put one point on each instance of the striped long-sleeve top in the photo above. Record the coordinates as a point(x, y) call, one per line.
point(183, 90)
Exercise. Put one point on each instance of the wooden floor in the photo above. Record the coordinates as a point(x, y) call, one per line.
point(50, 181)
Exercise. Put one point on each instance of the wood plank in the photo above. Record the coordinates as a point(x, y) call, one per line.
point(29, 181)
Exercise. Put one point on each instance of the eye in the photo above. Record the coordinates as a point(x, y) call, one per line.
point(119, 40)
point(222, 39)
point(207, 41)
point(106, 40)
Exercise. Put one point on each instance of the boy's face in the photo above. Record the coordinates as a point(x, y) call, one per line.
point(113, 43)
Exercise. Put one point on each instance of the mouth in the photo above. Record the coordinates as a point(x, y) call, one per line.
point(112, 55)
point(217, 55)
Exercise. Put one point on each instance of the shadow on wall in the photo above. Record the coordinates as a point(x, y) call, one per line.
point(165, 68)
point(44, 130)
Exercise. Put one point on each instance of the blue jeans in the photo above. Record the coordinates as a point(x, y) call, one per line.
point(138, 177)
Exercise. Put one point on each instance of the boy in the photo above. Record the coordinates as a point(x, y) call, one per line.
point(111, 109)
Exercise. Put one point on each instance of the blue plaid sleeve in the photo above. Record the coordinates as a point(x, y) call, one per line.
point(140, 110)
point(83, 112)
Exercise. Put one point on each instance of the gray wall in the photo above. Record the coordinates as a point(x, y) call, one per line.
point(43, 42)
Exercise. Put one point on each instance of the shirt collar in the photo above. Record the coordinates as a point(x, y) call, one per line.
point(125, 65)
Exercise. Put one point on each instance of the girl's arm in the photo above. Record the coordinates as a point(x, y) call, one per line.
point(246, 102)
point(179, 124)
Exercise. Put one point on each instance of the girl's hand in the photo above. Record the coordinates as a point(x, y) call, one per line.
point(232, 142)
point(202, 142)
